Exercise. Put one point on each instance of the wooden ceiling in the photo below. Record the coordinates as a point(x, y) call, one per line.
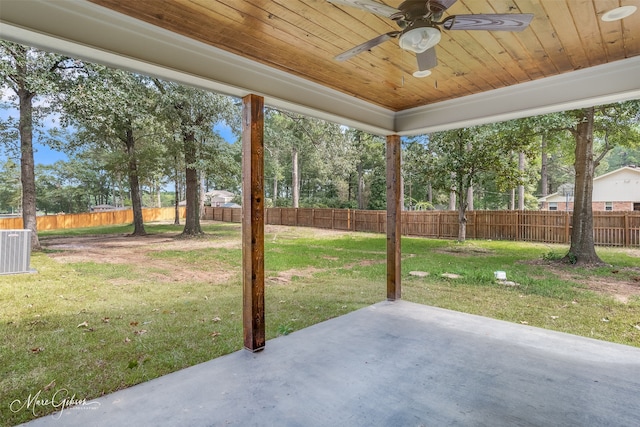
point(302, 37)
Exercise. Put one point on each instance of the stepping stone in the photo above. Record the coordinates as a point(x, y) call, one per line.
point(419, 273)
point(451, 275)
point(508, 283)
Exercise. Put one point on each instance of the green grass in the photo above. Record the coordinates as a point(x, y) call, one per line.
point(94, 327)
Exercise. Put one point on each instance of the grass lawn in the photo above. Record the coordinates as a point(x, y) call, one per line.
point(107, 311)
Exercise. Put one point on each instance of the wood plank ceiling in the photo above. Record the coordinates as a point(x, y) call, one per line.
point(302, 37)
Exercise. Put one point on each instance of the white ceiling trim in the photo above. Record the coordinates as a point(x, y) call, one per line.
point(601, 84)
point(93, 33)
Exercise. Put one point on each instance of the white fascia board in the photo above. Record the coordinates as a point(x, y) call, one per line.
point(96, 34)
point(601, 84)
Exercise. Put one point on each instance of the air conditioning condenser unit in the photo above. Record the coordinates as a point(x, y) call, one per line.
point(15, 251)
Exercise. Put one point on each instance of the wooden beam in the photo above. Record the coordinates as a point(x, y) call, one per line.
point(394, 217)
point(253, 222)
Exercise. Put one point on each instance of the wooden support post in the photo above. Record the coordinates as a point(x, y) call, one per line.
point(253, 222)
point(394, 218)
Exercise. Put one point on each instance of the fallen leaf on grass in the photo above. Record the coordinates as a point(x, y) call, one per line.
point(105, 320)
point(83, 325)
point(554, 317)
point(216, 319)
point(133, 323)
point(604, 319)
point(37, 350)
point(140, 332)
point(524, 322)
point(49, 386)
point(637, 326)
point(127, 340)
point(214, 334)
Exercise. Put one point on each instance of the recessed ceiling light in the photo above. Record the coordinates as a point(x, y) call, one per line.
point(618, 13)
point(423, 73)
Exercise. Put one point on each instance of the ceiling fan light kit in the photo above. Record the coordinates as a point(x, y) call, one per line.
point(419, 38)
point(422, 73)
point(618, 13)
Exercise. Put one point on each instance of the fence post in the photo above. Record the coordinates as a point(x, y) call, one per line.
point(626, 229)
point(333, 217)
point(438, 225)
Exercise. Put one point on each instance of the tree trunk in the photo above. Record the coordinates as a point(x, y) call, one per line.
point(512, 200)
point(360, 186)
point(176, 218)
point(430, 193)
point(521, 187)
point(27, 170)
point(275, 190)
point(158, 194)
point(192, 220)
point(582, 249)
point(134, 184)
point(462, 208)
point(452, 196)
point(295, 178)
point(462, 223)
point(202, 196)
point(470, 198)
point(544, 175)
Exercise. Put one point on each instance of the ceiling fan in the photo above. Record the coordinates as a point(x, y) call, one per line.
point(420, 27)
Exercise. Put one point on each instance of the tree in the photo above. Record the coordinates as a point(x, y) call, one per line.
point(29, 73)
point(115, 109)
point(461, 157)
point(368, 152)
point(596, 131)
point(193, 113)
point(10, 193)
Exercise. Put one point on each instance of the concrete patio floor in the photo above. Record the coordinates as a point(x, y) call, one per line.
point(391, 364)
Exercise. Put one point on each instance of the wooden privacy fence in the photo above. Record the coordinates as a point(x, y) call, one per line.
point(92, 219)
point(610, 228)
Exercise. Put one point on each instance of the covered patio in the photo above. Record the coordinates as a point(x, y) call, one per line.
point(391, 364)
point(394, 363)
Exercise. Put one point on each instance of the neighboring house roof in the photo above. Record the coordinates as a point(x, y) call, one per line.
point(219, 193)
point(231, 205)
point(620, 185)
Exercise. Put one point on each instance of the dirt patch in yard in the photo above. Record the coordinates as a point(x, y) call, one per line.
point(137, 252)
point(622, 289)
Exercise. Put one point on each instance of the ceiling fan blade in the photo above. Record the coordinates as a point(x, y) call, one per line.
point(443, 4)
point(427, 59)
point(489, 22)
point(369, 6)
point(366, 46)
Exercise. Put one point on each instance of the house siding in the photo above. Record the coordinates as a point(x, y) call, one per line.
point(621, 188)
point(596, 206)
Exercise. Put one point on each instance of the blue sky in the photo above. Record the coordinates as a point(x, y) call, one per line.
point(44, 155)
